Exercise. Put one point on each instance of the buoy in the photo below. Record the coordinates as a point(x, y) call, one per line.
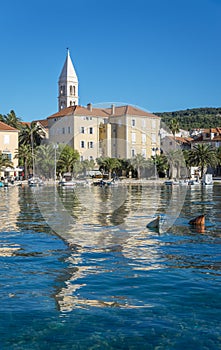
point(154, 223)
point(199, 221)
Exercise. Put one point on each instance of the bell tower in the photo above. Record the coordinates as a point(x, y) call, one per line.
point(67, 85)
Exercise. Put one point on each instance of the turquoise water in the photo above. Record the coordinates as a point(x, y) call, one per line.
point(102, 280)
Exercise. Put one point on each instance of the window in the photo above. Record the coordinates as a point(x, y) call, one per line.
point(63, 130)
point(90, 130)
point(153, 138)
point(91, 158)
point(82, 130)
point(133, 137)
point(6, 139)
point(90, 144)
point(153, 123)
point(7, 156)
point(133, 153)
point(144, 123)
point(69, 129)
point(82, 158)
point(82, 144)
point(143, 152)
point(62, 90)
point(133, 122)
point(144, 138)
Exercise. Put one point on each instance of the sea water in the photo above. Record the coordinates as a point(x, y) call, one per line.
point(80, 270)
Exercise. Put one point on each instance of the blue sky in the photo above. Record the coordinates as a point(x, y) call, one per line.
point(161, 55)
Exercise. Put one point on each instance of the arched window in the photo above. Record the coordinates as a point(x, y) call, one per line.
point(71, 90)
point(74, 90)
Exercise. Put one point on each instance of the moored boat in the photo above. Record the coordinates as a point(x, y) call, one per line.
point(207, 179)
point(67, 181)
point(35, 181)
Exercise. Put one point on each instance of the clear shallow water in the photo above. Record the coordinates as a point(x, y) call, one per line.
point(97, 278)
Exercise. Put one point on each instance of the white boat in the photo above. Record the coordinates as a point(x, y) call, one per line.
point(67, 181)
point(35, 181)
point(207, 179)
point(193, 182)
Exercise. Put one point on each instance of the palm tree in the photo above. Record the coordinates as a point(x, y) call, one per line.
point(24, 155)
point(174, 127)
point(161, 164)
point(45, 160)
point(108, 164)
point(138, 162)
point(203, 155)
point(176, 161)
point(87, 165)
point(31, 135)
point(12, 120)
point(68, 156)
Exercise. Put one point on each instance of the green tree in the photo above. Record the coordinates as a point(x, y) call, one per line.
point(87, 165)
point(138, 162)
point(174, 127)
point(108, 164)
point(67, 158)
point(45, 160)
point(31, 135)
point(176, 161)
point(203, 155)
point(161, 164)
point(24, 155)
point(12, 120)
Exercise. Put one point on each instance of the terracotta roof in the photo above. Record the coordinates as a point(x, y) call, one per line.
point(26, 123)
point(79, 110)
point(130, 110)
point(102, 112)
point(43, 122)
point(184, 139)
point(217, 138)
point(6, 127)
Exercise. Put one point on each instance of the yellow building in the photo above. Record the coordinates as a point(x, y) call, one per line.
point(9, 145)
point(116, 131)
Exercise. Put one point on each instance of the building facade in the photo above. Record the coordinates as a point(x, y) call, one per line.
point(9, 145)
point(115, 131)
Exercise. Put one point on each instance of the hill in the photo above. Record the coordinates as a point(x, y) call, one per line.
point(194, 118)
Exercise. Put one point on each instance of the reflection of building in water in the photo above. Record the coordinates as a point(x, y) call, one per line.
point(9, 208)
point(130, 241)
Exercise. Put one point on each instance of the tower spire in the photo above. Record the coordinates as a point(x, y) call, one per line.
point(67, 84)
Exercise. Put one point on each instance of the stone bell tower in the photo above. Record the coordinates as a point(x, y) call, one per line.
point(67, 85)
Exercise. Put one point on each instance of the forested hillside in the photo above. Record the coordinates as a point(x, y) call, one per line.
point(194, 118)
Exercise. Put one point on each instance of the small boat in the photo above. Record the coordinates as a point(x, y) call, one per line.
point(35, 181)
point(67, 181)
point(198, 221)
point(193, 182)
point(154, 223)
point(171, 182)
point(207, 179)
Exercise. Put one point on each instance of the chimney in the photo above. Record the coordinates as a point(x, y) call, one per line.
point(112, 109)
point(89, 107)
